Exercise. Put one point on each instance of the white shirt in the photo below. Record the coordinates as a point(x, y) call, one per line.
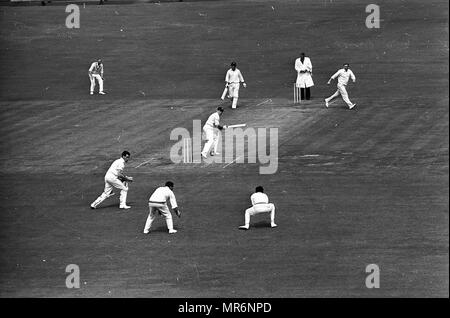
point(162, 194)
point(344, 76)
point(259, 197)
point(234, 76)
point(96, 68)
point(213, 121)
point(116, 167)
point(305, 66)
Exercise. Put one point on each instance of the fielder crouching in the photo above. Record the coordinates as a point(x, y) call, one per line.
point(157, 204)
point(260, 202)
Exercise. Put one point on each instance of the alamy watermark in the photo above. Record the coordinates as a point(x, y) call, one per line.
point(373, 19)
point(73, 279)
point(73, 19)
point(256, 145)
point(373, 279)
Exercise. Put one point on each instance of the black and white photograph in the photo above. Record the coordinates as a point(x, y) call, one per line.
point(224, 149)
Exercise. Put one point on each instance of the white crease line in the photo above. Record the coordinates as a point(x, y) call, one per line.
point(143, 163)
point(309, 156)
point(231, 162)
point(267, 100)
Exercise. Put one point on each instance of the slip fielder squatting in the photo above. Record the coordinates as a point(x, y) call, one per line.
point(260, 204)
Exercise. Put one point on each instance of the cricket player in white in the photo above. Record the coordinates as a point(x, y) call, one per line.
point(158, 204)
point(233, 78)
point(211, 130)
point(343, 75)
point(303, 66)
point(96, 73)
point(113, 178)
point(261, 204)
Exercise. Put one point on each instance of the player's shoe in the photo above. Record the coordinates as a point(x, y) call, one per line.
point(273, 225)
point(243, 227)
point(351, 106)
point(125, 207)
point(102, 93)
point(204, 155)
point(146, 231)
point(93, 207)
point(326, 103)
point(92, 93)
point(212, 153)
point(172, 231)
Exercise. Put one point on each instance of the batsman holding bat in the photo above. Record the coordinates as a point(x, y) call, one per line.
point(212, 130)
point(96, 73)
point(157, 204)
point(114, 178)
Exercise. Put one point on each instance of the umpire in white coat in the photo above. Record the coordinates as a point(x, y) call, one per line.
point(303, 66)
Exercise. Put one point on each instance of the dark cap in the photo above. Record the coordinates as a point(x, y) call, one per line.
point(169, 184)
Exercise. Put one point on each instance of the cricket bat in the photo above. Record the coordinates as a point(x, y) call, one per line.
point(238, 125)
point(225, 91)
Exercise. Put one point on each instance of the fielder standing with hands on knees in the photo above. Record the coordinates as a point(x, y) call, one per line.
point(212, 130)
point(343, 75)
point(233, 78)
point(96, 73)
point(158, 204)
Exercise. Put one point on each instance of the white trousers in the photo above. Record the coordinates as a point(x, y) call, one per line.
point(341, 90)
point(212, 137)
point(93, 77)
point(260, 208)
point(111, 182)
point(233, 91)
point(154, 210)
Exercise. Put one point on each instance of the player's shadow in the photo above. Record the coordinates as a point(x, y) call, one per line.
point(159, 229)
point(109, 205)
point(260, 224)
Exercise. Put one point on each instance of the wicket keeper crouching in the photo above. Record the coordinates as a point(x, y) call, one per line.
point(114, 178)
